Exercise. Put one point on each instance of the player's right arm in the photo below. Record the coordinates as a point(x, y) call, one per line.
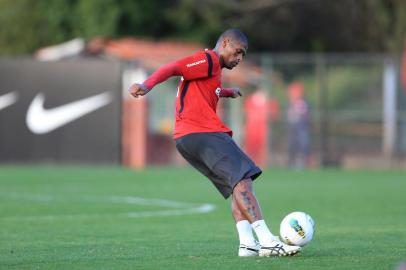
point(138, 89)
point(161, 74)
point(199, 65)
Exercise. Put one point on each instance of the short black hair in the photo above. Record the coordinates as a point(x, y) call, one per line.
point(234, 34)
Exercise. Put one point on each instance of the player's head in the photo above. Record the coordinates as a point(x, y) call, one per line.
point(231, 46)
point(296, 90)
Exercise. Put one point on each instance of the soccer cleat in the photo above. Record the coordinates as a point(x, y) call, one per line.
point(248, 251)
point(277, 248)
point(275, 238)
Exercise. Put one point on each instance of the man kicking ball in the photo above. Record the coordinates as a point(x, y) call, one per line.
point(206, 143)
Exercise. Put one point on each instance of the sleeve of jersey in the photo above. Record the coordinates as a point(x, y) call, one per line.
point(162, 74)
point(197, 66)
point(226, 92)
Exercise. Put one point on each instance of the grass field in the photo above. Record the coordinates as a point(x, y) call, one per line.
point(162, 218)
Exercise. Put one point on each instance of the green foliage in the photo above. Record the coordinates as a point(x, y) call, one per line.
point(32, 24)
point(294, 25)
point(96, 18)
point(355, 87)
point(144, 18)
point(347, 86)
point(200, 21)
point(20, 26)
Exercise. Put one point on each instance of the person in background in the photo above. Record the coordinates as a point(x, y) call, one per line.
point(298, 118)
point(260, 111)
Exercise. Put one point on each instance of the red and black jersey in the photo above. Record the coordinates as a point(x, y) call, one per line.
point(198, 93)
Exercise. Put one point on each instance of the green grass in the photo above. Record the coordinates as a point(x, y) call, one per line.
point(63, 218)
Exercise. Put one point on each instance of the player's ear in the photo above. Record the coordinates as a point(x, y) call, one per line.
point(225, 42)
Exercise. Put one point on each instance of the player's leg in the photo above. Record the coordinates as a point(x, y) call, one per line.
point(190, 148)
point(218, 157)
point(248, 205)
point(248, 245)
point(244, 198)
point(237, 214)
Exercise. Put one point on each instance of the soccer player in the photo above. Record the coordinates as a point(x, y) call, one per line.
point(206, 143)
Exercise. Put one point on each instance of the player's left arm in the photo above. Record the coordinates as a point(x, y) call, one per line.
point(232, 92)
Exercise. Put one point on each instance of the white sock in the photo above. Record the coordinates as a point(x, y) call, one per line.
point(244, 229)
point(265, 237)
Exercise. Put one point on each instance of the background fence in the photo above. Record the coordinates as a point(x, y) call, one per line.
point(356, 108)
point(355, 113)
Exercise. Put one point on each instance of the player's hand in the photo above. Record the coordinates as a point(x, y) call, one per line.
point(138, 89)
point(236, 92)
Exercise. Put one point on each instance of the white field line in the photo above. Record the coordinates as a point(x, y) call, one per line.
point(175, 208)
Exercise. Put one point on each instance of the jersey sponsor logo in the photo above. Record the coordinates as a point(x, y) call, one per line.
point(40, 120)
point(196, 63)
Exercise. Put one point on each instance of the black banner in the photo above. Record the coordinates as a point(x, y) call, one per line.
point(60, 112)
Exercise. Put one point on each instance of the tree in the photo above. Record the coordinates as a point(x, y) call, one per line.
point(274, 25)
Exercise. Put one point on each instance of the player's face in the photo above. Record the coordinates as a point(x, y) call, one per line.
point(234, 52)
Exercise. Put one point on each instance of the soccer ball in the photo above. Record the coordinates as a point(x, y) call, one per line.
point(297, 229)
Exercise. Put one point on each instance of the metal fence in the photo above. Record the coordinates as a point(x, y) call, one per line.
point(356, 110)
point(351, 112)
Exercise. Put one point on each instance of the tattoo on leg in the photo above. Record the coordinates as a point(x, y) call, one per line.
point(248, 205)
point(245, 197)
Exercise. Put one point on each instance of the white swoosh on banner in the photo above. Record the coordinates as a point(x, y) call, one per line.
point(8, 99)
point(40, 120)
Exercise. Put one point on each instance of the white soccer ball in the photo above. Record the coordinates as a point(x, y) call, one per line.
point(297, 229)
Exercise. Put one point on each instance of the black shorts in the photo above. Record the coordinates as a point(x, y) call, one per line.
point(218, 157)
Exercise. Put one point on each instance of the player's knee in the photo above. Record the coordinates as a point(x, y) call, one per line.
point(244, 185)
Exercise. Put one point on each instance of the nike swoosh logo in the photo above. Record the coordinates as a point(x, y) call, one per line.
point(40, 120)
point(8, 99)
